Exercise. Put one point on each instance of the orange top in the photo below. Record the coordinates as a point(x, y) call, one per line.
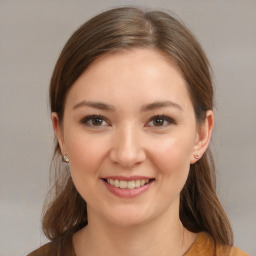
point(203, 246)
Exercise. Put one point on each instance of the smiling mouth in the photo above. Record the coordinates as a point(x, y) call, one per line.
point(131, 184)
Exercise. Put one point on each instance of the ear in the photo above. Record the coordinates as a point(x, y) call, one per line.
point(203, 137)
point(58, 131)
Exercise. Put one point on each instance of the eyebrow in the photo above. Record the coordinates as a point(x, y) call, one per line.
point(144, 108)
point(97, 105)
point(161, 104)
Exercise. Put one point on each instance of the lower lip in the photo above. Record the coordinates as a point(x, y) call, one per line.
point(126, 192)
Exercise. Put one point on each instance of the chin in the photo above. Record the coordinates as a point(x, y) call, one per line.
point(127, 221)
point(128, 217)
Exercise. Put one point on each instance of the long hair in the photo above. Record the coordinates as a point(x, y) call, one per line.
point(123, 29)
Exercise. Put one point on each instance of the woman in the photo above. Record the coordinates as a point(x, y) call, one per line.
point(132, 109)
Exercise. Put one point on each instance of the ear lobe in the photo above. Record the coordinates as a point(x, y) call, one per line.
point(203, 137)
point(58, 131)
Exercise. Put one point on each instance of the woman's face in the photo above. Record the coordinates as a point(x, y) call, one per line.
point(130, 133)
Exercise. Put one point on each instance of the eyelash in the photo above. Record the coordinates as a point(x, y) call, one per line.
point(92, 118)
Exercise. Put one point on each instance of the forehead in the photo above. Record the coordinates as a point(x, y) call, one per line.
point(131, 76)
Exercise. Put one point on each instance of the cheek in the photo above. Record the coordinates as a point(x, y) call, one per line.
point(86, 154)
point(172, 156)
point(172, 161)
point(174, 151)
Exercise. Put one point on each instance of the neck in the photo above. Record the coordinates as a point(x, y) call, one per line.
point(160, 236)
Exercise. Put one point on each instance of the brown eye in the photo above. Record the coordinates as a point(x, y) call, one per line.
point(94, 120)
point(97, 121)
point(160, 121)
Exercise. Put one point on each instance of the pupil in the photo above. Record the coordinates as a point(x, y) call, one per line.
point(158, 122)
point(97, 121)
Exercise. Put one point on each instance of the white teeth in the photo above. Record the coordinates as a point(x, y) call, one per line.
point(131, 184)
point(116, 183)
point(137, 183)
point(127, 184)
point(123, 184)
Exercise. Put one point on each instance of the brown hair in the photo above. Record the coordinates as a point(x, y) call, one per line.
point(121, 29)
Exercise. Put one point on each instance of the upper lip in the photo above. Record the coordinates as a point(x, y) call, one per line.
point(127, 178)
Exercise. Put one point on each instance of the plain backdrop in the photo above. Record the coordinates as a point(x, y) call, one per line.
point(32, 34)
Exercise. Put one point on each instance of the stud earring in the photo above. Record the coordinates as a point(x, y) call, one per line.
point(196, 156)
point(65, 159)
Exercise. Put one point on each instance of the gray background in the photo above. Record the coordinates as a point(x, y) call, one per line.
point(32, 34)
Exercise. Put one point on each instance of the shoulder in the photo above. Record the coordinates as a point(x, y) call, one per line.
point(48, 249)
point(62, 246)
point(237, 252)
point(205, 245)
point(223, 250)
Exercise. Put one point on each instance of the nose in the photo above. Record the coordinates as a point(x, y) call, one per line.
point(127, 149)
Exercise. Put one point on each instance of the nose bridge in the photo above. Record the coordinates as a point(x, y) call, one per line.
point(127, 148)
